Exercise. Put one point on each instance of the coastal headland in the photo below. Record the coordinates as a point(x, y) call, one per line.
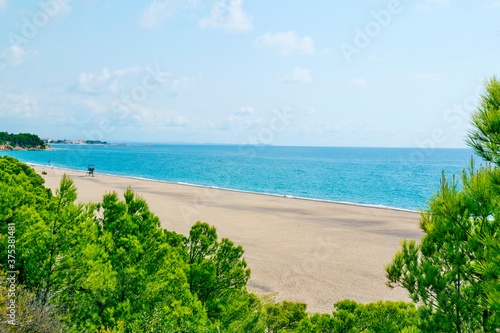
point(298, 250)
point(9, 147)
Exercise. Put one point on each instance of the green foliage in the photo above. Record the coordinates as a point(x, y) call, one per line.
point(159, 320)
point(440, 271)
point(22, 140)
point(319, 323)
point(454, 271)
point(138, 272)
point(95, 142)
point(284, 316)
point(243, 312)
point(217, 269)
point(104, 264)
point(490, 270)
point(383, 317)
point(23, 198)
point(485, 137)
point(352, 317)
point(485, 140)
point(4, 137)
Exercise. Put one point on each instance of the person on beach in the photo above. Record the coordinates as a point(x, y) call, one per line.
point(91, 171)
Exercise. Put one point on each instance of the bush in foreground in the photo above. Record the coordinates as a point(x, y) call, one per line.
point(454, 270)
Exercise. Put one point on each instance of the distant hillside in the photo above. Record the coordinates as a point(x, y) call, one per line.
point(20, 141)
point(75, 142)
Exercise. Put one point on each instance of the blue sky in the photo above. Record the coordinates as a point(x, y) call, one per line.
point(398, 73)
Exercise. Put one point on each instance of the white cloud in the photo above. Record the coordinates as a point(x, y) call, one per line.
point(428, 77)
point(136, 116)
point(14, 56)
point(152, 118)
point(240, 119)
point(360, 82)
point(96, 82)
point(298, 75)
point(227, 15)
point(19, 106)
point(64, 7)
point(161, 10)
point(156, 13)
point(126, 71)
point(495, 4)
point(182, 84)
point(57, 8)
point(287, 43)
point(105, 80)
point(3, 5)
point(128, 80)
point(233, 122)
point(244, 110)
point(431, 4)
point(96, 107)
point(310, 111)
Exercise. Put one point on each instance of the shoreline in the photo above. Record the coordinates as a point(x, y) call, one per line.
point(236, 190)
point(298, 250)
point(11, 148)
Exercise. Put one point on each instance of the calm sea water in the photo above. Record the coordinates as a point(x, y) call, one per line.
point(392, 177)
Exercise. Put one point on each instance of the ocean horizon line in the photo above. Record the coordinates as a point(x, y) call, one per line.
point(111, 143)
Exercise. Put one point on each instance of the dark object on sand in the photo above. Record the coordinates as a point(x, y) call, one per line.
point(90, 171)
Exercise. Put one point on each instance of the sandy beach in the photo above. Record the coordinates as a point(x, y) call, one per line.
point(300, 250)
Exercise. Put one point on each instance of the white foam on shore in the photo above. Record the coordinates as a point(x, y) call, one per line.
point(236, 190)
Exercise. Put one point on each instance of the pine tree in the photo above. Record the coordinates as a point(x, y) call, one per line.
point(453, 271)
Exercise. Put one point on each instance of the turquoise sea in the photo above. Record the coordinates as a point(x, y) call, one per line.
point(390, 177)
